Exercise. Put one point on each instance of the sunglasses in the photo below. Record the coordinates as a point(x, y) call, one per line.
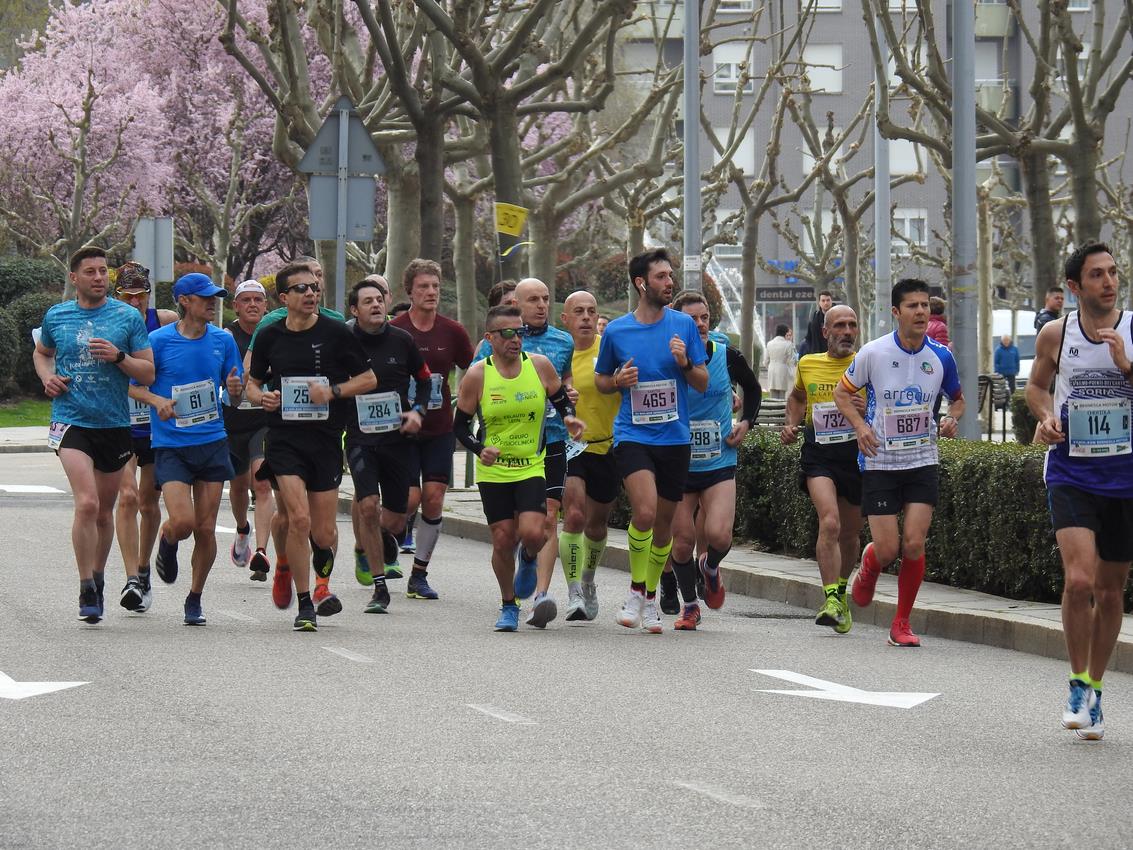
point(509, 333)
point(303, 288)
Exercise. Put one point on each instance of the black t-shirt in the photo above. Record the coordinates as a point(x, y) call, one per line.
point(327, 349)
point(395, 358)
point(240, 420)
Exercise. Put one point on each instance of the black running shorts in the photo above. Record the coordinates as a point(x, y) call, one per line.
point(814, 462)
point(886, 491)
point(314, 455)
point(1110, 518)
point(669, 465)
point(109, 448)
point(505, 501)
point(383, 469)
point(430, 459)
point(599, 472)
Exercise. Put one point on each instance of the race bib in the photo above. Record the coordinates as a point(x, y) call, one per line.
point(653, 402)
point(194, 404)
point(706, 439)
point(55, 435)
point(1099, 427)
point(378, 413)
point(139, 412)
point(830, 426)
point(296, 404)
point(907, 428)
point(574, 448)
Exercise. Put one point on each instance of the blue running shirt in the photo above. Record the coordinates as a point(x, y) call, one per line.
point(710, 416)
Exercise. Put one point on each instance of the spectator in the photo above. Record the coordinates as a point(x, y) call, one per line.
point(780, 362)
point(938, 322)
point(1052, 309)
point(1007, 361)
point(815, 342)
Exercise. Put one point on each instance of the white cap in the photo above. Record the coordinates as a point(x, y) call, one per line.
point(251, 286)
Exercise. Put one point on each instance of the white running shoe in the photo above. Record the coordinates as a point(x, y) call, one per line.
point(1081, 702)
point(630, 615)
point(241, 550)
point(590, 595)
point(651, 619)
point(576, 604)
point(543, 611)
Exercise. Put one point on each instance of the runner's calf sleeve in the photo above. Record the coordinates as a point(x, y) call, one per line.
point(686, 580)
point(658, 555)
point(715, 556)
point(390, 547)
point(594, 550)
point(322, 560)
point(639, 542)
point(427, 533)
point(571, 554)
point(908, 583)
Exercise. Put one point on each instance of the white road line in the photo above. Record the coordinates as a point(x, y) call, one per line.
point(236, 615)
point(500, 714)
point(224, 530)
point(721, 795)
point(349, 655)
point(28, 488)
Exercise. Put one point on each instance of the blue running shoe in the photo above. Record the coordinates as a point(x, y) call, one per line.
point(1096, 729)
point(1081, 701)
point(509, 618)
point(408, 546)
point(526, 575)
point(89, 609)
point(418, 587)
point(166, 561)
point(194, 616)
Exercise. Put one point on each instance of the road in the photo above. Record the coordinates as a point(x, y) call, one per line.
point(423, 727)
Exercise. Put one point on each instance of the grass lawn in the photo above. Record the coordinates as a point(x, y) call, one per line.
point(25, 412)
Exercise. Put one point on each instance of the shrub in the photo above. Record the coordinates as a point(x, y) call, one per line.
point(8, 347)
point(20, 275)
point(26, 313)
point(1024, 423)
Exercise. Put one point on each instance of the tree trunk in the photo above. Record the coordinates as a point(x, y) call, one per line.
point(851, 250)
point(747, 296)
point(984, 280)
point(431, 176)
point(543, 258)
point(635, 241)
point(464, 260)
point(403, 222)
point(1084, 189)
point(507, 173)
point(1044, 244)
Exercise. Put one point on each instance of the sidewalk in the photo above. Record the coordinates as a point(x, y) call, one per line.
point(23, 440)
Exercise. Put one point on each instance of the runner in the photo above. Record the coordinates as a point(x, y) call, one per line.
point(592, 476)
point(192, 360)
point(1089, 469)
point(89, 349)
point(445, 345)
point(652, 356)
point(377, 447)
point(136, 541)
point(828, 467)
point(897, 445)
point(315, 365)
point(710, 489)
point(510, 391)
point(246, 426)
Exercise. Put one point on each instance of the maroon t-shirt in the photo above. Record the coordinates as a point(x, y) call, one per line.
point(445, 346)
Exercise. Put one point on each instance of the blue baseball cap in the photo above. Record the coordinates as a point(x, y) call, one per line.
point(198, 284)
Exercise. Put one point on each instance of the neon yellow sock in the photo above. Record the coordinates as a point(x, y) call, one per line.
point(843, 583)
point(639, 545)
point(570, 552)
point(593, 550)
point(831, 590)
point(658, 555)
point(1082, 677)
point(1095, 683)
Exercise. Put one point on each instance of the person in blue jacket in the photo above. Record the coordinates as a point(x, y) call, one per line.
point(1007, 361)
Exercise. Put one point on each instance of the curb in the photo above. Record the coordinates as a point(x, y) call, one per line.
point(24, 449)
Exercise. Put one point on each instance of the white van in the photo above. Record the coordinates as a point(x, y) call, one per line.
point(1023, 333)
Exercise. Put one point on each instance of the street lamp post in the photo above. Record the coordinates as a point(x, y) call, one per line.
point(691, 206)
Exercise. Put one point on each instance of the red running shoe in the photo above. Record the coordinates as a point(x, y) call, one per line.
point(865, 582)
point(689, 618)
point(281, 587)
point(901, 635)
point(713, 585)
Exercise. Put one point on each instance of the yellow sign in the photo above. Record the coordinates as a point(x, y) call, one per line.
point(510, 219)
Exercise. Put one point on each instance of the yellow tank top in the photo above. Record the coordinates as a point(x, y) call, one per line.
point(817, 375)
point(512, 413)
point(596, 409)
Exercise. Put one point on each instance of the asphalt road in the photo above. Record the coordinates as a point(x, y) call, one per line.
point(424, 728)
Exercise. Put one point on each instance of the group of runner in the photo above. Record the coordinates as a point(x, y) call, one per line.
point(559, 421)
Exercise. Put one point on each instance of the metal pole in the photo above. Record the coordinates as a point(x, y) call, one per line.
point(882, 226)
point(692, 212)
point(340, 230)
point(964, 293)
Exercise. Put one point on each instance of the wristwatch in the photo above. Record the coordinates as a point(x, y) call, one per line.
point(419, 410)
point(121, 356)
point(336, 390)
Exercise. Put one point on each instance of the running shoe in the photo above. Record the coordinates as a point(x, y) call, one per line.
point(147, 591)
point(379, 602)
point(393, 571)
point(689, 618)
point(241, 550)
point(526, 574)
point(509, 618)
point(590, 598)
point(418, 587)
point(89, 610)
point(99, 591)
point(651, 617)
point(670, 600)
point(713, 584)
point(326, 603)
point(700, 585)
point(901, 634)
point(166, 561)
point(281, 588)
point(543, 611)
point(630, 615)
point(847, 619)
point(408, 546)
point(576, 604)
point(830, 614)
point(865, 582)
point(1077, 714)
point(131, 598)
point(194, 616)
point(362, 568)
point(1096, 729)
point(306, 620)
point(260, 565)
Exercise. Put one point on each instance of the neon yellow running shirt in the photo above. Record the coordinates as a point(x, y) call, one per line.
point(512, 412)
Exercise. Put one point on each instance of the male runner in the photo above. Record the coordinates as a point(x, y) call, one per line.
point(89, 349)
point(541, 337)
point(132, 286)
point(897, 445)
point(377, 448)
point(651, 356)
point(1089, 469)
point(315, 366)
point(445, 345)
point(592, 476)
point(509, 391)
point(711, 484)
point(192, 360)
point(246, 426)
point(828, 465)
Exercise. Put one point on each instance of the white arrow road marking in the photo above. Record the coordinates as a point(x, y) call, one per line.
point(349, 655)
point(721, 795)
point(500, 714)
point(11, 689)
point(28, 488)
point(843, 693)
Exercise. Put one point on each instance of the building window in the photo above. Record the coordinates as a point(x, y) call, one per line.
point(828, 6)
point(1079, 5)
point(910, 227)
point(744, 157)
point(726, 70)
point(824, 67)
point(903, 157)
point(736, 6)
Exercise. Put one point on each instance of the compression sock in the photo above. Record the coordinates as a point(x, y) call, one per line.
point(908, 583)
point(593, 552)
point(843, 583)
point(686, 580)
point(571, 554)
point(427, 534)
point(658, 555)
point(715, 556)
point(322, 560)
point(639, 544)
point(831, 591)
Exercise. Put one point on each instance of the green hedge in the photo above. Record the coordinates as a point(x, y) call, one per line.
point(20, 275)
point(7, 355)
point(1024, 423)
point(26, 313)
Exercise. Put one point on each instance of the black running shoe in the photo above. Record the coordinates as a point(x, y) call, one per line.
point(670, 601)
point(89, 609)
point(166, 561)
point(379, 602)
point(260, 565)
point(131, 598)
point(306, 620)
